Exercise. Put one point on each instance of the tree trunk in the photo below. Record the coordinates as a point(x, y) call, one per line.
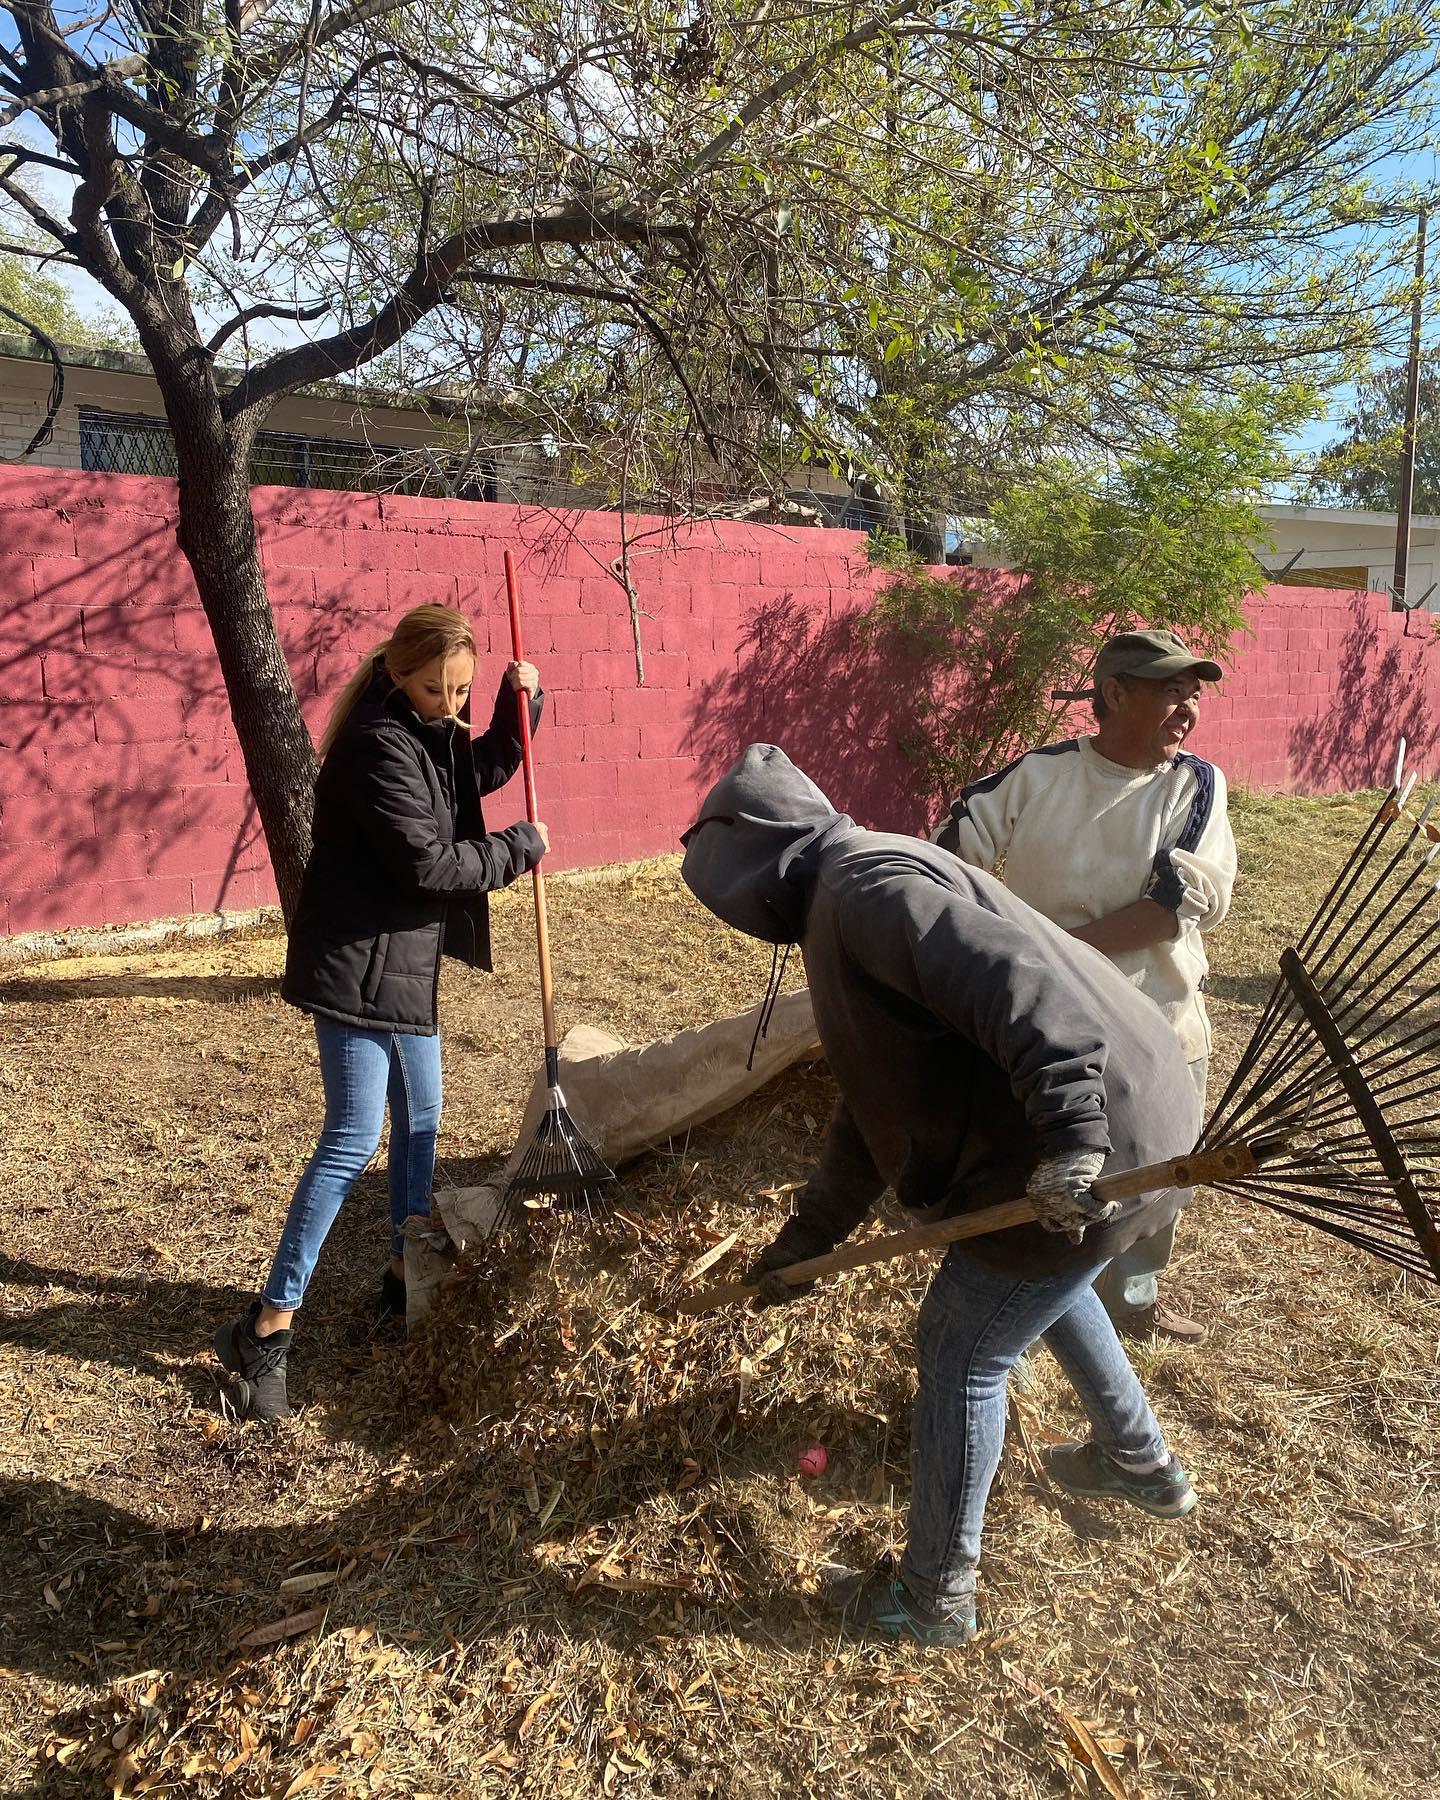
point(217, 536)
point(925, 537)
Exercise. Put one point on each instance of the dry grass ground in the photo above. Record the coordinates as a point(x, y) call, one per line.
point(557, 1544)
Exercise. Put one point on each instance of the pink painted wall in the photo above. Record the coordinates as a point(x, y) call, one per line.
point(122, 790)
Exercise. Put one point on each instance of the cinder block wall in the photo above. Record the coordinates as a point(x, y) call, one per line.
point(123, 794)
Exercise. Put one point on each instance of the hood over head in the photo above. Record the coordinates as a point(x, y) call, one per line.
point(750, 856)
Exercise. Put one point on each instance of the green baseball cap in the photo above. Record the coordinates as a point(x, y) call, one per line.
point(1147, 655)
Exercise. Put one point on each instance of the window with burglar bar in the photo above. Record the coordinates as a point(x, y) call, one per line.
point(118, 443)
point(138, 444)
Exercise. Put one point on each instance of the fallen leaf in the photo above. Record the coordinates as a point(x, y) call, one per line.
point(1082, 1741)
point(308, 1777)
point(307, 1584)
point(615, 1581)
point(123, 1771)
point(293, 1626)
point(1087, 1750)
point(711, 1257)
point(533, 1712)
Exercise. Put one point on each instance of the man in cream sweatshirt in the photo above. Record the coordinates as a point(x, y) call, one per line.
point(1122, 838)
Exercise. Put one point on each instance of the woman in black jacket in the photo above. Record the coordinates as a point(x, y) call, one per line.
point(398, 874)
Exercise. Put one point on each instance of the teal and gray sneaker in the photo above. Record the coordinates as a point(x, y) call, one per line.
point(1086, 1469)
point(876, 1604)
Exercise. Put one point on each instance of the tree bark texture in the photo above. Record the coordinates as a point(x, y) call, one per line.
point(217, 536)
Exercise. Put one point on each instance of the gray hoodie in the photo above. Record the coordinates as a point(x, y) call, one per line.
point(967, 1034)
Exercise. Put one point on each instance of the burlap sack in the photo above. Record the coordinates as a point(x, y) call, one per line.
point(626, 1099)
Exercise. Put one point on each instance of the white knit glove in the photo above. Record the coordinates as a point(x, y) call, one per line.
point(1060, 1191)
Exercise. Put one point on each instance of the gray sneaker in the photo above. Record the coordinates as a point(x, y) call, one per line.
point(1087, 1469)
point(877, 1605)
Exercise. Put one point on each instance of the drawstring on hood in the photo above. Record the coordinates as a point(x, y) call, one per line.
point(779, 956)
point(758, 873)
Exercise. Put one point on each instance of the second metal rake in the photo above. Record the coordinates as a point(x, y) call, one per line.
point(559, 1162)
point(1333, 1114)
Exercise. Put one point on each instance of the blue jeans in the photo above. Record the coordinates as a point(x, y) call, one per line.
point(975, 1323)
point(361, 1070)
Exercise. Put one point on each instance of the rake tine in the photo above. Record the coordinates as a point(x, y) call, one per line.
point(1414, 1049)
point(1351, 1024)
point(1232, 1114)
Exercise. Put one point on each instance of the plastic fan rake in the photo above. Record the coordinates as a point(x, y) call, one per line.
point(1332, 1116)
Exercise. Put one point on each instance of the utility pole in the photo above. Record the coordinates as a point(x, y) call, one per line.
point(1412, 408)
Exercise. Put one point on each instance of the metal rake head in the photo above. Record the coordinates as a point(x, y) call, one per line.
point(1344, 1063)
point(562, 1163)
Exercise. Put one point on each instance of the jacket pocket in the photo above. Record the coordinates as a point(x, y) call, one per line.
point(375, 973)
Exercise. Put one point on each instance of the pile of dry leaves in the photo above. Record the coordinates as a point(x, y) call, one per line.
point(559, 1544)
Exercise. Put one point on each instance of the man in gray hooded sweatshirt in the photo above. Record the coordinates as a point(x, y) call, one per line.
point(980, 1052)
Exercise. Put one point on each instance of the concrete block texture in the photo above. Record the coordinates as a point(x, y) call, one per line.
point(122, 790)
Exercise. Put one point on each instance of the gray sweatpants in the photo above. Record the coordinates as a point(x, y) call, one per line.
point(1131, 1282)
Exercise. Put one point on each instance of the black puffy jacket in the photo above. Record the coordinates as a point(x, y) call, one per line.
point(402, 862)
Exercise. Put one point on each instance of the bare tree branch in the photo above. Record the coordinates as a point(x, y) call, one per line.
point(615, 297)
point(57, 380)
point(566, 223)
point(227, 189)
point(40, 255)
point(795, 77)
point(24, 154)
point(265, 311)
point(30, 205)
point(43, 99)
point(266, 68)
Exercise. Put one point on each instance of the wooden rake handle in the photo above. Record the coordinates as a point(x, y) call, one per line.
point(1225, 1164)
point(532, 812)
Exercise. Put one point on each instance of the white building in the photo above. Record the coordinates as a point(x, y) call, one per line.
point(1341, 546)
point(112, 421)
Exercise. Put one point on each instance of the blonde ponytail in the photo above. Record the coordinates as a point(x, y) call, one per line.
point(349, 694)
point(426, 634)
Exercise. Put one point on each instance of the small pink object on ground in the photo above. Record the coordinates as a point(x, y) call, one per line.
point(814, 1461)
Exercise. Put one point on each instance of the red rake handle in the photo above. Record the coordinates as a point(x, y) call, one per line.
point(527, 762)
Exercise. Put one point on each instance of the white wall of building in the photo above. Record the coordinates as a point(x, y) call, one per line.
point(1330, 538)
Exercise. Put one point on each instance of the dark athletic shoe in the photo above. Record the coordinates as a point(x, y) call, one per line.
point(1086, 1469)
point(390, 1307)
point(877, 1605)
point(258, 1365)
